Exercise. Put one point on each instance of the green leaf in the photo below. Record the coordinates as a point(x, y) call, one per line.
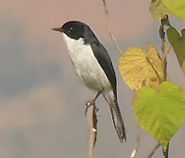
point(158, 9)
point(178, 43)
point(183, 67)
point(175, 8)
point(160, 113)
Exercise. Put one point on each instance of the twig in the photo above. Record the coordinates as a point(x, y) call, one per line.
point(134, 152)
point(165, 51)
point(165, 152)
point(92, 125)
point(164, 48)
point(108, 26)
point(153, 151)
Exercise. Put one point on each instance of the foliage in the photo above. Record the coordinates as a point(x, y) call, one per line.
point(178, 43)
point(139, 69)
point(160, 113)
point(159, 105)
point(175, 8)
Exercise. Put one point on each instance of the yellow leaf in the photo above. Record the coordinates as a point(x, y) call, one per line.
point(139, 69)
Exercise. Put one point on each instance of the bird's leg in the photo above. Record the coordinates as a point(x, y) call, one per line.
point(92, 102)
point(96, 96)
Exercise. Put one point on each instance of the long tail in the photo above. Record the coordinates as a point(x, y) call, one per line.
point(116, 115)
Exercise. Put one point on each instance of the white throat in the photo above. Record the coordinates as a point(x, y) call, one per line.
point(72, 43)
point(77, 49)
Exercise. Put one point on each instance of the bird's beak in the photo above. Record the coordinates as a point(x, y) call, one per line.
point(57, 29)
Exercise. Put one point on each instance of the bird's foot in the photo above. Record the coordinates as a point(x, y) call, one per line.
point(89, 104)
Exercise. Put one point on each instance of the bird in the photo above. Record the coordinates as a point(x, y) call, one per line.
point(94, 67)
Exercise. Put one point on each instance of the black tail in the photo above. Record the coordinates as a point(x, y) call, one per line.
point(116, 116)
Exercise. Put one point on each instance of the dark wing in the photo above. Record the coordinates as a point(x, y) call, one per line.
point(105, 62)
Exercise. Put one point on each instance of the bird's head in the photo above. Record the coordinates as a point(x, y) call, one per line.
point(77, 30)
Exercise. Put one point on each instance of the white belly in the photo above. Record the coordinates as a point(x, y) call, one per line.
point(86, 66)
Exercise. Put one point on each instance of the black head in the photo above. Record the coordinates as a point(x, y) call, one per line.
point(76, 30)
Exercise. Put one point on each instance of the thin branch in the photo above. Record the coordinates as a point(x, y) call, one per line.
point(165, 51)
point(164, 48)
point(165, 152)
point(134, 152)
point(108, 26)
point(154, 150)
point(92, 125)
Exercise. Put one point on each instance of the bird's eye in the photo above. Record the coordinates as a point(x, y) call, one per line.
point(70, 29)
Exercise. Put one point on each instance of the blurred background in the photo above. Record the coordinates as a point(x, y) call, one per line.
point(42, 102)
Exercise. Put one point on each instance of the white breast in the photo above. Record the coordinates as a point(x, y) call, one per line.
point(86, 66)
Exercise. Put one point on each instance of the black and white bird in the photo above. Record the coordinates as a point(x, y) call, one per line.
point(93, 66)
